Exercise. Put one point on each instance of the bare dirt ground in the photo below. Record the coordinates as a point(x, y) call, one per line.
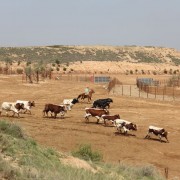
point(66, 134)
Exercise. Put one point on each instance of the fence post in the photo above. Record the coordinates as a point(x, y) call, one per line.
point(122, 89)
point(163, 94)
point(147, 91)
point(139, 92)
point(166, 171)
point(173, 93)
point(155, 92)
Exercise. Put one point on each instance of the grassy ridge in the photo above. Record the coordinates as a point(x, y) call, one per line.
point(66, 54)
point(22, 158)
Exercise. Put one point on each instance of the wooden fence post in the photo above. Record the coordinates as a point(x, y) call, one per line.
point(163, 94)
point(122, 90)
point(155, 92)
point(139, 92)
point(166, 171)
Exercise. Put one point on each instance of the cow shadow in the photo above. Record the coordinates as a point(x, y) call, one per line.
point(122, 134)
point(92, 123)
point(16, 117)
point(57, 118)
point(155, 139)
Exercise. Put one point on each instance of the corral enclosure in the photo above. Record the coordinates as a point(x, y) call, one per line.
point(66, 134)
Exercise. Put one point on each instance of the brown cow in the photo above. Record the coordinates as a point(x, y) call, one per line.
point(94, 112)
point(110, 118)
point(56, 109)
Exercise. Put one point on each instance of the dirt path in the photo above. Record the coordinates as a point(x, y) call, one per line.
point(66, 134)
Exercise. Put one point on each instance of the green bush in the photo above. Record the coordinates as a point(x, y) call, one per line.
point(19, 71)
point(85, 152)
point(11, 129)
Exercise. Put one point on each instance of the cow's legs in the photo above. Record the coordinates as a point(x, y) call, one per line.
point(160, 137)
point(167, 139)
point(55, 114)
point(147, 136)
point(87, 115)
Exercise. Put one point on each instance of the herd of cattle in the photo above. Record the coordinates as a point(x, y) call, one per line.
point(99, 110)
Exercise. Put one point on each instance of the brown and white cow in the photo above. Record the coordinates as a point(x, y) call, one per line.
point(11, 106)
point(160, 132)
point(56, 109)
point(27, 105)
point(124, 126)
point(109, 118)
point(94, 112)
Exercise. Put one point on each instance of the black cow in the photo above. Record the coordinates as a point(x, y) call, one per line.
point(102, 103)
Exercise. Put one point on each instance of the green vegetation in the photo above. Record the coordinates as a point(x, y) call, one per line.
point(85, 152)
point(58, 54)
point(143, 57)
point(22, 158)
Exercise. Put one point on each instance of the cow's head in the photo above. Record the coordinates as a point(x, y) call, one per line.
point(109, 100)
point(31, 103)
point(106, 111)
point(117, 116)
point(74, 101)
point(133, 126)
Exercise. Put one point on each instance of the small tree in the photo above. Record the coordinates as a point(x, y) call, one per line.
point(19, 71)
point(28, 71)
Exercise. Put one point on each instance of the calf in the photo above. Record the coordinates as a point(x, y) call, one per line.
point(14, 107)
point(27, 105)
point(102, 103)
point(95, 113)
point(56, 109)
point(110, 118)
point(70, 102)
point(160, 132)
point(124, 126)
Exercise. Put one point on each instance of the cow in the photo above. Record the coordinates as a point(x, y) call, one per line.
point(124, 126)
point(70, 102)
point(27, 105)
point(56, 109)
point(95, 113)
point(102, 103)
point(11, 106)
point(160, 132)
point(110, 118)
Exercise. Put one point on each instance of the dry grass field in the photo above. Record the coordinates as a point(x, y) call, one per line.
point(66, 134)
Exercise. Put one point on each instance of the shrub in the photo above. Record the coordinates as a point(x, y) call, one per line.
point(57, 69)
point(28, 63)
point(11, 129)
point(19, 71)
point(85, 152)
point(57, 61)
point(53, 65)
point(64, 69)
point(131, 71)
point(165, 71)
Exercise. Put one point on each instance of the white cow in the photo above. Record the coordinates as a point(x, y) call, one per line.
point(124, 125)
point(27, 105)
point(70, 102)
point(12, 106)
